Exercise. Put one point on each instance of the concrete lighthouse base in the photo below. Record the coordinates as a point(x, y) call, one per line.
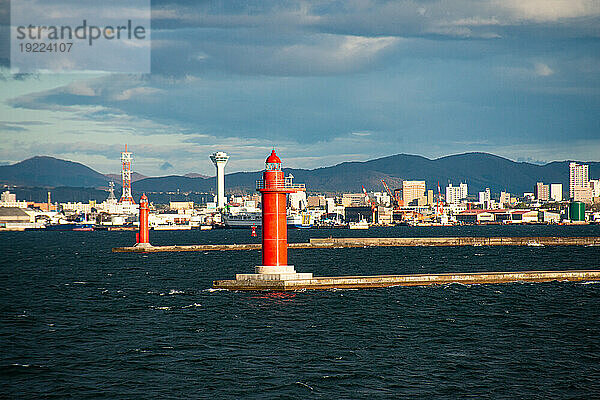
point(274, 273)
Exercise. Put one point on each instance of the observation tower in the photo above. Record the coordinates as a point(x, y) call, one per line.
point(220, 159)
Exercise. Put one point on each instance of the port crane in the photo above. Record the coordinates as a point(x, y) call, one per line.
point(397, 202)
point(439, 208)
point(369, 202)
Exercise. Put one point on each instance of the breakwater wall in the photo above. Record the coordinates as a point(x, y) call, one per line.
point(376, 242)
point(457, 241)
point(379, 281)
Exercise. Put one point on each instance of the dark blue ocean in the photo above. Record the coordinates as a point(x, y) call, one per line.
point(78, 321)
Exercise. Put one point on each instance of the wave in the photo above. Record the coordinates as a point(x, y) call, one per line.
point(172, 292)
point(21, 368)
point(304, 385)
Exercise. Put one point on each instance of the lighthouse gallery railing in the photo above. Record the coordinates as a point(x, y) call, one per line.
point(279, 184)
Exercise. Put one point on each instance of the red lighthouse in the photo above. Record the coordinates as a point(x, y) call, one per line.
point(274, 186)
point(143, 236)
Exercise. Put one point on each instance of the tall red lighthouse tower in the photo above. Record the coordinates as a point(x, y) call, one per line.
point(274, 186)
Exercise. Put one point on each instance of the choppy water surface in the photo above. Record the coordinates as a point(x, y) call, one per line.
point(79, 321)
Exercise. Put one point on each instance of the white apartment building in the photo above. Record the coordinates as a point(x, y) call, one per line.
point(464, 191)
point(505, 199)
point(485, 197)
point(455, 194)
point(595, 187)
point(298, 200)
point(382, 198)
point(556, 191)
point(578, 177)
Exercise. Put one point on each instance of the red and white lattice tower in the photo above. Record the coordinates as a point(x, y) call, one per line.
point(126, 175)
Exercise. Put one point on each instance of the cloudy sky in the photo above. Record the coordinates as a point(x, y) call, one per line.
point(325, 82)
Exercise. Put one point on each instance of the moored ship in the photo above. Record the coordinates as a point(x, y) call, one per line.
point(245, 219)
point(300, 221)
point(248, 219)
point(362, 224)
point(72, 226)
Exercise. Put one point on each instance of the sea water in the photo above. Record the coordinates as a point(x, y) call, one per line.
point(79, 321)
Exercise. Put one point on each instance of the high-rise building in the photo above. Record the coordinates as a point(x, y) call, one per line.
point(542, 192)
point(220, 159)
point(382, 198)
point(348, 200)
point(583, 195)
point(330, 202)
point(453, 194)
point(556, 192)
point(578, 177)
point(505, 199)
point(464, 191)
point(297, 200)
point(412, 190)
point(485, 197)
point(595, 187)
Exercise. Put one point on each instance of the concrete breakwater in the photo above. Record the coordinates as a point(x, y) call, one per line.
point(457, 241)
point(376, 242)
point(176, 248)
point(379, 281)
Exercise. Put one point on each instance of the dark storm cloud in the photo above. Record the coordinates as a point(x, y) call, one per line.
point(420, 76)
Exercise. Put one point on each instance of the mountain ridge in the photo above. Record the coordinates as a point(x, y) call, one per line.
point(50, 171)
point(479, 170)
point(135, 176)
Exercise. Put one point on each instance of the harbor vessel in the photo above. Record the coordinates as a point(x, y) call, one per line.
point(72, 226)
point(172, 227)
point(245, 219)
point(362, 224)
point(300, 221)
point(248, 219)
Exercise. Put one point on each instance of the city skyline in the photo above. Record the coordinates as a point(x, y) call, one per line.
point(325, 83)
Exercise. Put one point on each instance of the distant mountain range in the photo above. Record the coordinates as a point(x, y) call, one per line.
point(478, 170)
point(50, 172)
point(195, 175)
point(116, 178)
point(136, 176)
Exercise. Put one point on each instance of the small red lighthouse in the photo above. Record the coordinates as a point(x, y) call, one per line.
point(274, 186)
point(143, 236)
